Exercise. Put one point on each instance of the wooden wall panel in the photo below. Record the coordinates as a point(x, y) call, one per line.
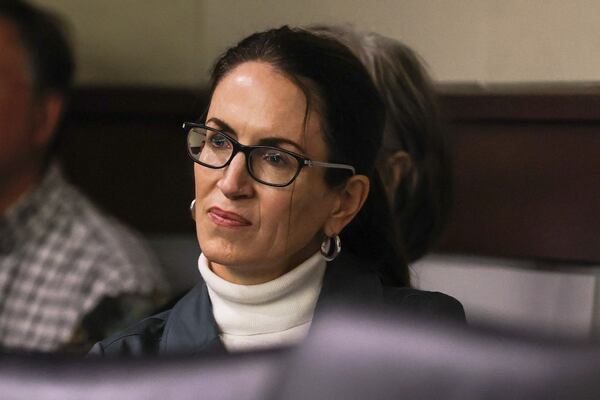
point(126, 149)
point(527, 171)
point(529, 189)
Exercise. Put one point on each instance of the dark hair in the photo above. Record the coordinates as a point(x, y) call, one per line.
point(337, 84)
point(423, 198)
point(43, 37)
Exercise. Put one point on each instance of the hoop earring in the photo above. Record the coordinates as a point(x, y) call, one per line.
point(193, 209)
point(331, 247)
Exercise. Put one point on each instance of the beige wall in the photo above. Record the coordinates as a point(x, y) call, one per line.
point(174, 42)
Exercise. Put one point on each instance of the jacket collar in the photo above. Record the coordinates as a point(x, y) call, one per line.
point(191, 328)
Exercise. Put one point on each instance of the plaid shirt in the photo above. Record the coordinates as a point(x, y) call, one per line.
point(59, 259)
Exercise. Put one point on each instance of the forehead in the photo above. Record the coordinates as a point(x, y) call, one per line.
point(257, 100)
point(13, 62)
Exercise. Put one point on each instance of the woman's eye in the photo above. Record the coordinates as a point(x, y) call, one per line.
point(276, 159)
point(219, 141)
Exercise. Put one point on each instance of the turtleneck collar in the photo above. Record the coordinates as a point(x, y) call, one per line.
point(274, 313)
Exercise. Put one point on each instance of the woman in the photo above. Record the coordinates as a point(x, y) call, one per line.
point(284, 173)
point(415, 159)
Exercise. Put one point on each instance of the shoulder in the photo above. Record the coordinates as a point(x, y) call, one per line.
point(141, 339)
point(113, 251)
point(433, 304)
point(355, 280)
point(103, 230)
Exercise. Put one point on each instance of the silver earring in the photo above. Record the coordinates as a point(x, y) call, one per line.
point(193, 209)
point(331, 247)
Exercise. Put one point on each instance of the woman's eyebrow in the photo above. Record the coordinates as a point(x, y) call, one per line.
point(278, 141)
point(222, 125)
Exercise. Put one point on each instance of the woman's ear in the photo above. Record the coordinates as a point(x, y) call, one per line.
point(397, 166)
point(350, 201)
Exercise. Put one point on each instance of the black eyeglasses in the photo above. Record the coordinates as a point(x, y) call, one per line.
point(268, 165)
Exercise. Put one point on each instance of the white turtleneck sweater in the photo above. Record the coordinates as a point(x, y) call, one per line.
point(274, 313)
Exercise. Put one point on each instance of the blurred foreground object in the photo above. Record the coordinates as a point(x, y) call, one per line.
point(351, 355)
point(384, 358)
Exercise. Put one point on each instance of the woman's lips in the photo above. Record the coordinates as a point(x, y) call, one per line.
point(227, 218)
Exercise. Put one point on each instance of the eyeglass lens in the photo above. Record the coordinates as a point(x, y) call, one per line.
point(267, 164)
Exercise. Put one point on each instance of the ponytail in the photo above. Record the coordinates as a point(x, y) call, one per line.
point(373, 237)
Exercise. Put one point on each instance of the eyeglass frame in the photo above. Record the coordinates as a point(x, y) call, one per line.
point(246, 150)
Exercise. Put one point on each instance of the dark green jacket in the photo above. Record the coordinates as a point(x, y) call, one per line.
point(189, 327)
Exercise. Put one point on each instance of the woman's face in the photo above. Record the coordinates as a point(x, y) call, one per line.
point(250, 232)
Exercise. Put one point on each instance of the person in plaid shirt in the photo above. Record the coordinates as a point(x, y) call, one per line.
point(69, 275)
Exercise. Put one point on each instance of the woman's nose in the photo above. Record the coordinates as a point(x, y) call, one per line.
point(236, 182)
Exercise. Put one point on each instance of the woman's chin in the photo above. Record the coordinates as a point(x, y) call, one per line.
point(223, 252)
point(236, 268)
